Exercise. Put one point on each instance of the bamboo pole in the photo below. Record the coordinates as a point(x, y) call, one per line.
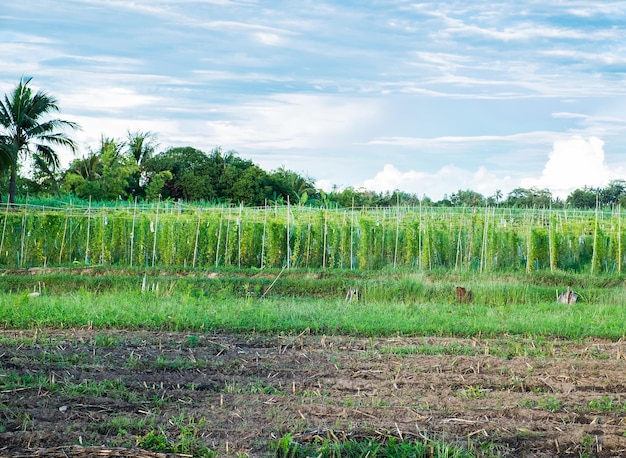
point(156, 231)
point(483, 248)
point(308, 242)
point(195, 247)
point(470, 242)
point(551, 242)
point(288, 234)
point(62, 239)
point(132, 232)
point(227, 239)
point(264, 236)
point(4, 226)
point(325, 238)
point(23, 238)
point(458, 260)
point(395, 250)
point(420, 239)
point(239, 230)
point(594, 254)
point(352, 236)
point(382, 244)
point(619, 238)
point(529, 245)
point(219, 240)
point(69, 242)
point(88, 231)
point(102, 238)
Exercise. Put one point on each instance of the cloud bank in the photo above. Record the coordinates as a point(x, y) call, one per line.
point(573, 163)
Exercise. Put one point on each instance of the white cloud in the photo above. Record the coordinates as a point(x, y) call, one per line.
point(270, 39)
point(289, 121)
point(537, 137)
point(445, 181)
point(106, 98)
point(572, 164)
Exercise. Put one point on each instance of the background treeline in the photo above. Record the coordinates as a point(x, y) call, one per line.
point(131, 168)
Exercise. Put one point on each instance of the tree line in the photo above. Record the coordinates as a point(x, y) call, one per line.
point(132, 168)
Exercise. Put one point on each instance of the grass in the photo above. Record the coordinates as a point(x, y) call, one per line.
point(286, 447)
point(517, 312)
point(181, 312)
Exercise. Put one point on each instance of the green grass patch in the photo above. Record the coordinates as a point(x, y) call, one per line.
point(180, 312)
point(287, 447)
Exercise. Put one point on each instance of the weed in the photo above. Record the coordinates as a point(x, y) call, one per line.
point(257, 387)
point(587, 443)
point(13, 381)
point(528, 403)
point(550, 403)
point(192, 341)
point(96, 388)
point(178, 363)
point(121, 425)
point(182, 436)
point(606, 404)
point(105, 340)
point(24, 420)
point(153, 440)
point(286, 447)
point(472, 392)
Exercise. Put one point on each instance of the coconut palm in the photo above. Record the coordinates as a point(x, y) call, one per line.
point(141, 146)
point(24, 131)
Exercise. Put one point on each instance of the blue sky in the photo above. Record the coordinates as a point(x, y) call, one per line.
point(427, 97)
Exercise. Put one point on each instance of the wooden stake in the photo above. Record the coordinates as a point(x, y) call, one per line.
point(132, 232)
point(264, 236)
point(195, 248)
point(156, 229)
point(88, 230)
point(4, 226)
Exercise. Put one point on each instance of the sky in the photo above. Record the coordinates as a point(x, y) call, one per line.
point(425, 97)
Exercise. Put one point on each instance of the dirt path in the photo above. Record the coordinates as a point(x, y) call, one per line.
point(235, 394)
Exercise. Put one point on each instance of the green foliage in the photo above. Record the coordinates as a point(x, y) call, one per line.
point(25, 132)
point(182, 436)
point(315, 302)
point(193, 175)
point(170, 234)
point(286, 447)
point(103, 175)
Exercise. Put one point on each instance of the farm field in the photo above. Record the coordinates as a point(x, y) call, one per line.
point(236, 394)
point(193, 363)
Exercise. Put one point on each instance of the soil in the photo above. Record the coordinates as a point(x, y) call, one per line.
point(103, 392)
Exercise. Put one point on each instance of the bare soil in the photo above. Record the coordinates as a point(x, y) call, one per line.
point(238, 393)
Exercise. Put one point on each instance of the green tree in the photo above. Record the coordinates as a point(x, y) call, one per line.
point(467, 198)
point(583, 198)
point(189, 169)
point(26, 131)
point(217, 176)
point(154, 188)
point(45, 179)
point(532, 197)
point(103, 175)
point(613, 193)
point(141, 147)
point(289, 183)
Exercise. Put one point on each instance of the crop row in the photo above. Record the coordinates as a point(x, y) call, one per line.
point(482, 239)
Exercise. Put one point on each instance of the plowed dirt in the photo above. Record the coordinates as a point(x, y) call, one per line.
point(237, 393)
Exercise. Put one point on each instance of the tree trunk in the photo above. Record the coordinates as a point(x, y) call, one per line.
point(12, 185)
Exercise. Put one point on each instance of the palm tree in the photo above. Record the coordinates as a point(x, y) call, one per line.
point(24, 132)
point(141, 146)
